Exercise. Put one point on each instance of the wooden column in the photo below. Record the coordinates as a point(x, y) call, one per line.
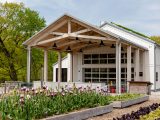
point(144, 66)
point(137, 65)
point(45, 65)
point(118, 67)
point(129, 50)
point(59, 67)
point(28, 64)
point(70, 57)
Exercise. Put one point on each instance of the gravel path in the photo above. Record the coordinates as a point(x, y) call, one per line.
point(119, 112)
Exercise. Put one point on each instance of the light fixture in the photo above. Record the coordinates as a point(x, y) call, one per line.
point(80, 50)
point(102, 44)
point(89, 42)
point(122, 49)
point(77, 38)
point(113, 46)
point(68, 49)
point(54, 46)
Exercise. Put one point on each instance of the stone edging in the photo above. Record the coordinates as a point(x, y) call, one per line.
point(83, 114)
point(123, 104)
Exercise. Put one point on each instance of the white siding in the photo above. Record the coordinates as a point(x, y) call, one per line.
point(158, 66)
point(65, 64)
point(139, 41)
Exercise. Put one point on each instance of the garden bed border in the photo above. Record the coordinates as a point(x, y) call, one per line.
point(83, 114)
point(123, 104)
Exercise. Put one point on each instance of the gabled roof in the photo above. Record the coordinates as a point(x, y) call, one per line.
point(63, 17)
point(44, 31)
point(128, 30)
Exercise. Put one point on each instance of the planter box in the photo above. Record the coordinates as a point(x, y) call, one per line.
point(123, 104)
point(82, 114)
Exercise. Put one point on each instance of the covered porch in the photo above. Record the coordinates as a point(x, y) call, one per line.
point(94, 55)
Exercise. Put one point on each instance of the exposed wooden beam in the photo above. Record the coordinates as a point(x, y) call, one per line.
point(59, 25)
point(40, 37)
point(69, 26)
point(91, 28)
point(91, 37)
point(65, 35)
point(84, 47)
point(67, 43)
point(78, 46)
point(82, 31)
point(52, 39)
point(57, 33)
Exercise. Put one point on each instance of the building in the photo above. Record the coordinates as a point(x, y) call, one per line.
point(108, 53)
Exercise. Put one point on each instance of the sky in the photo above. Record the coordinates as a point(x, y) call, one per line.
point(140, 15)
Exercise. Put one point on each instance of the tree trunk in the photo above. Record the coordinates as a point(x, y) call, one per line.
point(12, 71)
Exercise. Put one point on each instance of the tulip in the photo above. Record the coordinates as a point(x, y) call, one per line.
point(33, 89)
point(28, 96)
point(27, 90)
point(21, 100)
point(21, 96)
point(23, 89)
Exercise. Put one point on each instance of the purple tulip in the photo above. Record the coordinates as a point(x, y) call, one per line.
point(23, 89)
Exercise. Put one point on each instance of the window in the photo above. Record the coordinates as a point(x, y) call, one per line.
point(103, 58)
point(87, 59)
point(99, 58)
point(140, 74)
point(111, 58)
point(99, 74)
point(124, 58)
point(106, 75)
point(156, 76)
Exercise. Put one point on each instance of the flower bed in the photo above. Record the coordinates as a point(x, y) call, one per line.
point(139, 113)
point(154, 115)
point(126, 100)
point(125, 96)
point(83, 114)
point(28, 104)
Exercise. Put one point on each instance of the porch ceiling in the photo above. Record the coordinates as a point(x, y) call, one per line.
point(70, 32)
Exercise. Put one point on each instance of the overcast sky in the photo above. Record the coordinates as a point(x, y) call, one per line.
point(140, 15)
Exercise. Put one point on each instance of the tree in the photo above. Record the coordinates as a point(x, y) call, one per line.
point(17, 24)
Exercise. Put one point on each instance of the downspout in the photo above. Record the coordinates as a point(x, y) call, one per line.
point(154, 67)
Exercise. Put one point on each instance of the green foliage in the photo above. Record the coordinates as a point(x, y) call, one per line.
point(124, 97)
point(18, 23)
point(130, 30)
point(156, 39)
point(40, 103)
point(37, 63)
point(154, 115)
